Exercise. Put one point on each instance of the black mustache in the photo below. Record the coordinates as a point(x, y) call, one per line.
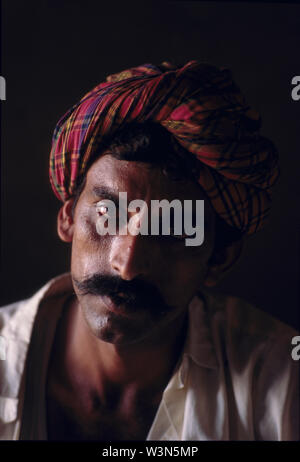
point(134, 294)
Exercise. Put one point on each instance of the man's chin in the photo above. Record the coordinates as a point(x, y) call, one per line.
point(116, 327)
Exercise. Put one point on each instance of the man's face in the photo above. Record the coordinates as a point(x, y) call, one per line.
point(133, 287)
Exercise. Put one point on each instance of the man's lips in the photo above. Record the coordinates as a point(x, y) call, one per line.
point(120, 308)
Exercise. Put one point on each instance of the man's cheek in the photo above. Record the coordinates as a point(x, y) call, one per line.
point(89, 256)
point(85, 229)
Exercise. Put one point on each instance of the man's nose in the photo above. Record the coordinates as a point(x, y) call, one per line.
point(130, 256)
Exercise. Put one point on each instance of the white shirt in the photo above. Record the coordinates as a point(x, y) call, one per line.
point(235, 379)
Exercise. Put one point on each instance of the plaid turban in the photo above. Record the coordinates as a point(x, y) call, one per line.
point(201, 106)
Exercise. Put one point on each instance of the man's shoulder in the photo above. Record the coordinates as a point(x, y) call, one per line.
point(240, 330)
point(239, 315)
point(17, 318)
point(225, 329)
point(8, 312)
point(253, 353)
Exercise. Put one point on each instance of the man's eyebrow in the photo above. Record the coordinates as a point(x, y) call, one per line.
point(105, 192)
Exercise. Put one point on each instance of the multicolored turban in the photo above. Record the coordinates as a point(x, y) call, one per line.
point(201, 106)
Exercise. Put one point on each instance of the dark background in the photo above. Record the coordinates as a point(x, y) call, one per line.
point(54, 52)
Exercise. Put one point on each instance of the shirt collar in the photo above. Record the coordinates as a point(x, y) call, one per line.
point(199, 346)
point(17, 331)
point(198, 352)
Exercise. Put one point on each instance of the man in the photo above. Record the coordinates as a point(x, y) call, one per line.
point(132, 345)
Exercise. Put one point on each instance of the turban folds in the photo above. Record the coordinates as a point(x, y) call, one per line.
point(201, 106)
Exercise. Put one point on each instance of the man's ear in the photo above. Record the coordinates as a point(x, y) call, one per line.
point(65, 223)
point(221, 262)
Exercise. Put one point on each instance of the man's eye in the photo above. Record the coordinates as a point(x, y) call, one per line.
point(102, 209)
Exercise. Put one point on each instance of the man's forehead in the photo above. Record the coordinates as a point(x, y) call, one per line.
point(140, 180)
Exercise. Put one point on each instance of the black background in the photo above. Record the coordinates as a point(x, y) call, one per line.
point(55, 51)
